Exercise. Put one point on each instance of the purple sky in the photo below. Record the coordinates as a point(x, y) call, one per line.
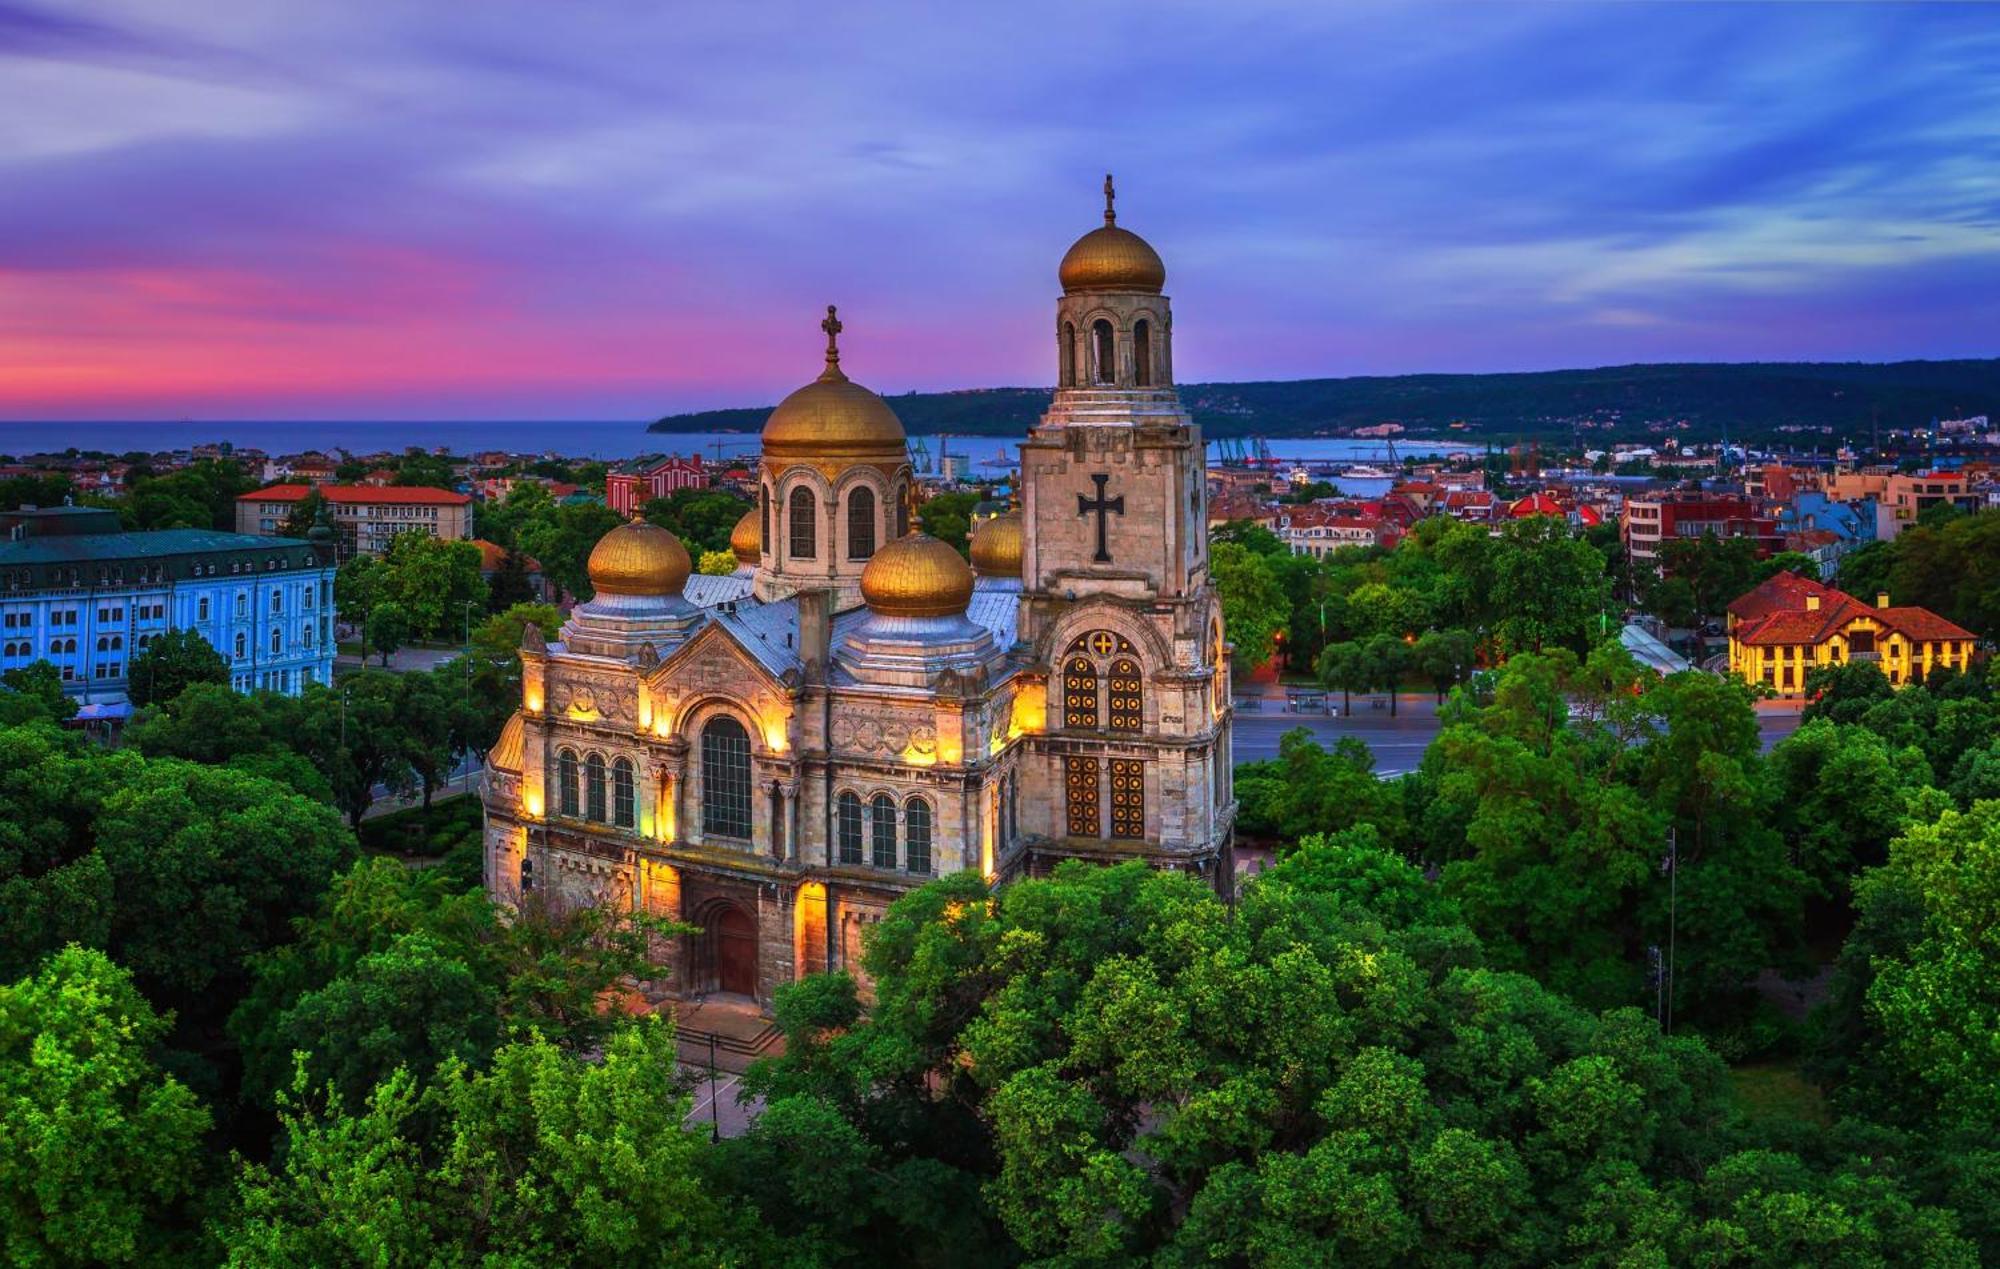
point(618, 208)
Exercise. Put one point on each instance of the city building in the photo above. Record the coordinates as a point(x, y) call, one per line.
point(1904, 498)
point(85, 596)
point(632, 485)
point(365, 518)
point(1652, 520)
point(1321, 530)
point(775, 758)
point(1790, 625)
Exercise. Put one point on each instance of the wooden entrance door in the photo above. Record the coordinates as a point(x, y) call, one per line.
point(736, 952)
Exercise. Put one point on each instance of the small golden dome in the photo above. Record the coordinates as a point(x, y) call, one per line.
point(996, 546)
point(1112, 259)
point(505, 755)
point(917, 576)
point(639, 559)
point(747, 538)
point(833, 416)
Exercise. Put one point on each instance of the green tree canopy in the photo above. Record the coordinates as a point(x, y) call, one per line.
point(171, 663)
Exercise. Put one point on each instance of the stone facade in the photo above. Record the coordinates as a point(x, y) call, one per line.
point(769, 758)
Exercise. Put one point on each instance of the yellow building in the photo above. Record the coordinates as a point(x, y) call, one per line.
point(1790, 625)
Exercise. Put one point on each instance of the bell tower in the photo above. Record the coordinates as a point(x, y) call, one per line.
point(1116, 606)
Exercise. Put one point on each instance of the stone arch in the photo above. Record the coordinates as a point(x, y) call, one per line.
point(1154, 654)
point(725, 952)
point(878, 490)
point(1103, 352)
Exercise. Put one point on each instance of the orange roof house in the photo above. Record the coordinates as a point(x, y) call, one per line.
point(1790, 625)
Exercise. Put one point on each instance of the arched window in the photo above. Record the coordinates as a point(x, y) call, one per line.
point(277, 603)
point(847, 828)
point(764, 519)
point(240, 645)
point(1105, 353)
point(725, 778)
point(1081, 797)
point(103, 644)
point(882, 831)
point(917, 835)
point(1142, 353)
point(566, 800)
point(1128, 699)
point(277, 640)
point(593, 787)
point(1069, 354)
point(861, 523)
point(1079, 691)
point(621, 793)
point(902, 511)
point(804, 532)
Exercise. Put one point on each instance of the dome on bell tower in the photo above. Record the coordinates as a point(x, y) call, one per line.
point(997, 546)
point(1109, 258)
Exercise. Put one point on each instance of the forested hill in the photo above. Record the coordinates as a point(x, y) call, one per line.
point(1749, 399)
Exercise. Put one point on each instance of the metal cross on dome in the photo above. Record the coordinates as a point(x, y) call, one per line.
point(832, 327)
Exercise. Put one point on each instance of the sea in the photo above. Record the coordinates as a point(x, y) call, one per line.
point(609, 439)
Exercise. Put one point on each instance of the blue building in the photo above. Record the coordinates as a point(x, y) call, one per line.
point(85, 596)
point(1851, 524)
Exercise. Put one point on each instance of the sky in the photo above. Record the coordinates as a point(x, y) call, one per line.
point(392, 209)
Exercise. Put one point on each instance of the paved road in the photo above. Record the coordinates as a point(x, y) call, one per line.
point(1399, 743)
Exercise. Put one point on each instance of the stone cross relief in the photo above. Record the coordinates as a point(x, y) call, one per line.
point(1101, 506)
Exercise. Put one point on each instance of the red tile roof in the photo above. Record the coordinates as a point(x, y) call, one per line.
point(1776, 613)
point(400, 494)
point(1776, 593)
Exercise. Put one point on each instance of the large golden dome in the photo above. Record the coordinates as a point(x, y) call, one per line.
point(996, 546)
point(916, 576)
point(747, 538)
point(639, 559)
point(834, 417)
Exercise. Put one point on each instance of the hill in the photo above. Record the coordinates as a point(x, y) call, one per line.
point(1750, 399)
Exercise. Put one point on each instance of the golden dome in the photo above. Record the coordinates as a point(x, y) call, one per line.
point(747, 538)
point(916, 576)
point(834, 417)
point(996, 546)
point(1112, 259)
point(505, 755)
point(639, 559)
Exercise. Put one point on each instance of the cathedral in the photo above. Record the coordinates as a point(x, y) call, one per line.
point(774, 757)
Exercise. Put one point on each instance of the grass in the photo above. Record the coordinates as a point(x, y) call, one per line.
point(1776, 1091)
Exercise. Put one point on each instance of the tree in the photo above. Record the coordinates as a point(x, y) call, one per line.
point(1445, 657)
point(100, 1150)
point(34, 691)
point(1548, 587)
point(561, 538)
point(355, 734)
point(388, 628)
point(948, 518)
point(305, 513)
point(1785, 562)
point(433, 581)
point(1345, 667)
point(701, 518)
point(418, 468)
point(171, 663)
point(717, 563)
point(1387, 659)
point(1253, 606)
point(510, 584)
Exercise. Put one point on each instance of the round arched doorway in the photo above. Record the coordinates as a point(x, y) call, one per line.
point(732, 936)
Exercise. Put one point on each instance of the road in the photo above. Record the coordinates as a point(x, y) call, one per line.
point(1398, 743)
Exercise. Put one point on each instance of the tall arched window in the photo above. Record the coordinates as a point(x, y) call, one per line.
point(882, 831)
point(566, 799)
point(764, 519)
point(725, 778)
point(1069, 354)
point(917, 835)
point(593, 787)
point(1079, 691)
point(621, 794)
point(804, 530)
point(847, 827)
point(902, 511)
point(1142, 353)
point(861, 523)
point(1104, 353)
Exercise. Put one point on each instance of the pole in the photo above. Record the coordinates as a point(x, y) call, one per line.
point(714, 1095)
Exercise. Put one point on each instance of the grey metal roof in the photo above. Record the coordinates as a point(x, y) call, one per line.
point(769, 632)
point(999, 611)
point(156, 544)
point(706, 591)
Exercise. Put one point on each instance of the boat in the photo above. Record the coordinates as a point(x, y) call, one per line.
point(1362, 471)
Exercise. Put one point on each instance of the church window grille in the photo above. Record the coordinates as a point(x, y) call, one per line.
point(882, 831)
point(1105, 354)
point(725, 779)
point(593, 787)
point(1128, 699)
point(621, 794)
point(917, 835)
point(861, 524)
point(566, 799)
point(1081, 797)
point(1142, 353)
point(847, 828)
point(1128, 798)
point(804, 530)
point(1079, 692)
